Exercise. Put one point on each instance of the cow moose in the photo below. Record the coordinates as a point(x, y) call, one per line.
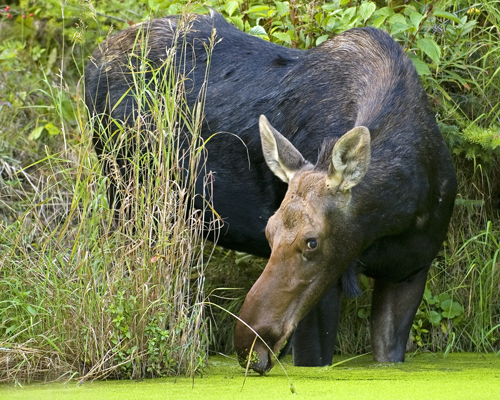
point(349, 174)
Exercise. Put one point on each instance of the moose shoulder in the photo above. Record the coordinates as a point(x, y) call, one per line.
point(352, 175)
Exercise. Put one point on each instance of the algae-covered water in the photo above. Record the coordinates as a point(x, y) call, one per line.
point(425, 376)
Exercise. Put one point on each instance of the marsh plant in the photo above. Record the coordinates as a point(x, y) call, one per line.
point(99, 293)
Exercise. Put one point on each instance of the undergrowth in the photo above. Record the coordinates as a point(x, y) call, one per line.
point(94, 296)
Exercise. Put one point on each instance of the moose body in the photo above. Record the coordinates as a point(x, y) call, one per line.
point(355, 177)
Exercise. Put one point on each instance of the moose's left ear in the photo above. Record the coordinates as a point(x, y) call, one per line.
point(350, 159)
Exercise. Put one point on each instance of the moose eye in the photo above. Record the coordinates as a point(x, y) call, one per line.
point(311, 244)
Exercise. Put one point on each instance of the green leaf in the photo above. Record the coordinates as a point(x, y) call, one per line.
point(7, 54)
point(255, 9)
point(10, 329)
point(434, 318)
point(445, 14)
point(422, 69)
point(442, 297)
point(416, 18)
point(366, 10)
point(397, 18)
point(238, 22)
point(333, 6)
point(321, 39)
point(386, 12)
point(282, 8)
point(173, 9)
point(67, 110)
point(364, 280)
point(332, 23)
point(349, 14)
point(457, 308)
point(451, 309)
point(409, 9)
point(36, 133)
point(243, 258)
point(430, 48)
point(283, 37)
point(230, 7)
point(31, 310)
point(363, 313)
point(379, 21)
point(258, 31)
point(466, 28)
point(446, 304)
point(399, 27)
point(52, 129)
point(444, 93)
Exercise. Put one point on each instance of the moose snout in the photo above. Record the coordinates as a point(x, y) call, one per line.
point(267, 318)
point(255, 356)
point(257, 339)
point(258, 351)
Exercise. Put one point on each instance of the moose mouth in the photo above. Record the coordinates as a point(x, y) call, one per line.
point(260, 357)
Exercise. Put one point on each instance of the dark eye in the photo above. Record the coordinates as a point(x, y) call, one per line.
point(311, 244)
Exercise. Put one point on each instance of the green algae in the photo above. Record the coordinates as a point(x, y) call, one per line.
point(425, 376)
point(254, 359)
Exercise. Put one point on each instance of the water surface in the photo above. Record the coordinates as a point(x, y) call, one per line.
point(424, 376)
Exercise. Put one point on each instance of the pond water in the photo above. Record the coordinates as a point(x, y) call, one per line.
point(424, 376)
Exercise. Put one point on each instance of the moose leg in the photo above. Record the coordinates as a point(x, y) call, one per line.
point(313, 340)
point(394, 305)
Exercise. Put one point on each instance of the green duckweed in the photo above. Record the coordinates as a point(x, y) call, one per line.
point(424, 376)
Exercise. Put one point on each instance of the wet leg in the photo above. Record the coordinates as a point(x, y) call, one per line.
point(394, 305)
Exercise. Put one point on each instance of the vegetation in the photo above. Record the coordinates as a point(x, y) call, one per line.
point(81, 298)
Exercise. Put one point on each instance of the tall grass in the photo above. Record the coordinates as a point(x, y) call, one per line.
point(82, 293)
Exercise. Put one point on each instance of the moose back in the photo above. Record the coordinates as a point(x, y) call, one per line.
point(349, 168)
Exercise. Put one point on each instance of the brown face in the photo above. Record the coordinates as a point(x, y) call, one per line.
point(296, 276)
point(310, 250)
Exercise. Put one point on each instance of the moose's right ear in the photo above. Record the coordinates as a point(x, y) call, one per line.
point(280, 155)
point(351, 157)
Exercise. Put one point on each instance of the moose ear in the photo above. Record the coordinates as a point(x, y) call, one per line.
point(350, 159)
point(280, 155)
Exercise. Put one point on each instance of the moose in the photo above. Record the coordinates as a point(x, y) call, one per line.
point(349, 174)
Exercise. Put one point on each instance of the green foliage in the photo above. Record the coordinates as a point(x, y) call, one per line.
point(441, 306)
point(453, 44)
point(437, 311)
point(475, 142)
point(161, 361)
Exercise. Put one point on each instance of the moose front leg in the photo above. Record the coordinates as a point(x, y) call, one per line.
point(313, 340)
point(394, 305)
